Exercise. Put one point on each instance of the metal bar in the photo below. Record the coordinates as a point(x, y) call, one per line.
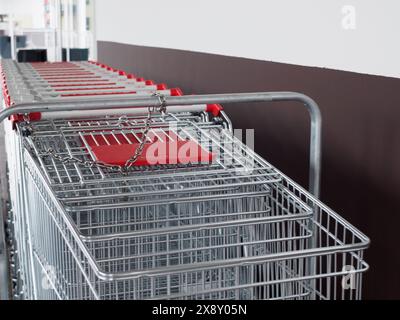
point(151, 101)
point(13, 43)
point(4, 272)
point(4, 276)
point(113, 112)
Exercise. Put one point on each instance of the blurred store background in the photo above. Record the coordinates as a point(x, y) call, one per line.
point(52, 30)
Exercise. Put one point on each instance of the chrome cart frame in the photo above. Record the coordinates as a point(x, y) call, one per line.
point(308, 253)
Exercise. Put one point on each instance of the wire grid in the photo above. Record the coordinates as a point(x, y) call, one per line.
point(22, 240)
point(233, 159)
point(287, 258)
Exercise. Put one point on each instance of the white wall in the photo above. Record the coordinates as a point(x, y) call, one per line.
point(304, 32)
point(28, 13)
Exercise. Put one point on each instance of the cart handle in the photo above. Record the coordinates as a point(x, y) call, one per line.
point(152, 101)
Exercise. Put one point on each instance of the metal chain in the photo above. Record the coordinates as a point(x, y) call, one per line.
point(147, 126)
point(87, 163)
point(139, 150)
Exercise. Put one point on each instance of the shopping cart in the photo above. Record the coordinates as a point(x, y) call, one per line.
point(29, 82)
point(203, 218)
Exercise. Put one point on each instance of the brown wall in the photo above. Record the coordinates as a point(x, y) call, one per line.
point(361, 134)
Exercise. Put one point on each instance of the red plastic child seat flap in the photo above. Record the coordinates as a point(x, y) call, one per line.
point(157, 152)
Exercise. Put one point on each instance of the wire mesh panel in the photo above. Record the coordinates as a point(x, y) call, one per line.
point(223, 230)
point(277, 253)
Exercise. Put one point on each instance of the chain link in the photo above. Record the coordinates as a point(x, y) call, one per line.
point(138, 151)
point(87, 163)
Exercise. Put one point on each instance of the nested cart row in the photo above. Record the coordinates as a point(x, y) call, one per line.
point(152, 196)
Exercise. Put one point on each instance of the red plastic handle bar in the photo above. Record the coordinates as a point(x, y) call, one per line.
point(91, 80)
point(96, 94)
point(81, 89)
point(214, 109)
point(82, 84)
point(70, 77)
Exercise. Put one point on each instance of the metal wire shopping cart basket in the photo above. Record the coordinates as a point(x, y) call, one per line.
point(221, 223)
